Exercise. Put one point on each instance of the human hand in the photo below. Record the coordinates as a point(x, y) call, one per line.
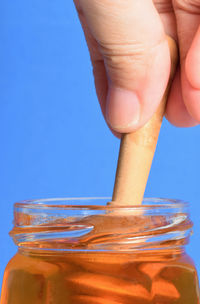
point(131, 61)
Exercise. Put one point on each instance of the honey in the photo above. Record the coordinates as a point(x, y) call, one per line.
point(102, 278)
point(123, 259)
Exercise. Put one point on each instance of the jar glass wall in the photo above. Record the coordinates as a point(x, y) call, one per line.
point(85, 251)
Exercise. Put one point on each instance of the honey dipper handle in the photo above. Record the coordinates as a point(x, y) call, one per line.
point(137, 151)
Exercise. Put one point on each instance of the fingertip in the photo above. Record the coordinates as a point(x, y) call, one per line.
point(127, 110)
point(192, 62)
point(116, 134)
point(191, 97)
point(176, 111)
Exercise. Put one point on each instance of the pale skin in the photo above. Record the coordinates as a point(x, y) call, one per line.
point(131, 61)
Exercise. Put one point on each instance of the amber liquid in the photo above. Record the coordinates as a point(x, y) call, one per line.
point(100, 278)
point(88, 274)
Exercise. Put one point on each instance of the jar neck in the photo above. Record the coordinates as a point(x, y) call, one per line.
point(160, 228)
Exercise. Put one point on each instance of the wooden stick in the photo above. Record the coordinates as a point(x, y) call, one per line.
point(137, 151)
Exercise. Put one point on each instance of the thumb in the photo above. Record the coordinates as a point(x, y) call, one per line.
point(133, 45)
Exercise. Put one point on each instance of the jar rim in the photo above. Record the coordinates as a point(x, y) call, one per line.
point(76, 224)
point(98, 203)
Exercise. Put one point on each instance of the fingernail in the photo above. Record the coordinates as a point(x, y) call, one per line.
point(122, 109)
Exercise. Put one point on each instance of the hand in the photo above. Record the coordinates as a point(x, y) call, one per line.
point(131, 61)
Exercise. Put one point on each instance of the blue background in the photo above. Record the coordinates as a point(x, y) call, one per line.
point(54, 141)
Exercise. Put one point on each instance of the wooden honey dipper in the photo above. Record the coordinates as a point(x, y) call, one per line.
point(137, 150)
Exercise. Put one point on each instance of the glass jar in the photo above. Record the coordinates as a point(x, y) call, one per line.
point(85, 251)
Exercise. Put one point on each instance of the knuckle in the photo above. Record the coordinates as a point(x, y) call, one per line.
point(118, 54)
point(124, 62)
point(190, 6)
